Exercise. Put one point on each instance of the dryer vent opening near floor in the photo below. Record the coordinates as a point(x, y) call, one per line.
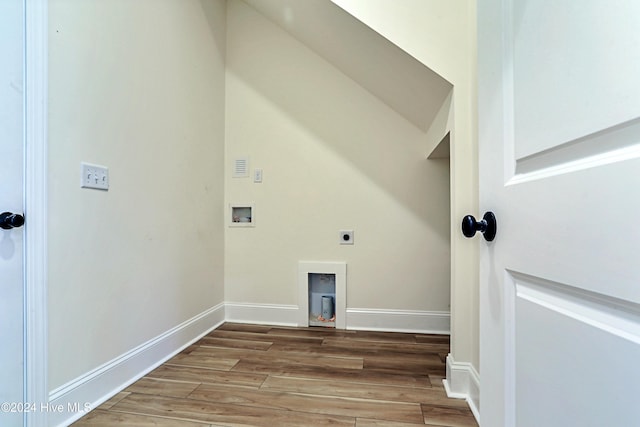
point(322, 294)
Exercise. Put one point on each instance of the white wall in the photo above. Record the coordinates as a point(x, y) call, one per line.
point(137, 86)
point(334, 157)
point(442, 35)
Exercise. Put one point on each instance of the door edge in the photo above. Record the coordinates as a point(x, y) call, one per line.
point(35, 206)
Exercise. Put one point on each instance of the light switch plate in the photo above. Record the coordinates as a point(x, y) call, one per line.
point(257, 175)
point(94, 176)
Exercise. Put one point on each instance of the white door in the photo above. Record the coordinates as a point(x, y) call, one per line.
point(11, 200)
point(559, 129)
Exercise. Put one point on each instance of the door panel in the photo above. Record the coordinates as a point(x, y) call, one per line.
point(11, 199)
point(570, 348)
point(559, 50)
point(559, 135)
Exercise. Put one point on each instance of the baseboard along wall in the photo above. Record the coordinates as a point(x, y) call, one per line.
point(463, 382)
point(424, 322)
point(72, 400)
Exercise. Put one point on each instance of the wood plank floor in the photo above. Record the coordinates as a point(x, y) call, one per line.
point(254, 375)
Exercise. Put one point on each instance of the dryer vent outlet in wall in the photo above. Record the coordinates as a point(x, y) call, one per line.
point(322, 294)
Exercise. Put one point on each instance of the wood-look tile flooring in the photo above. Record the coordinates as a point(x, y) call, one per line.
point(253, 375)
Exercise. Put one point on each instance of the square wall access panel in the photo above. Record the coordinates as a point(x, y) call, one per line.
point(322, 294)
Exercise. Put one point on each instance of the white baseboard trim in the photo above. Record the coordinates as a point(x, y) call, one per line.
point(70, 401)
point(427, 322)
point(67, 403)
point(412, 321)
point(463, 382)
point(262, 314)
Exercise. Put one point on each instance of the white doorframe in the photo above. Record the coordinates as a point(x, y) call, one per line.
point(35, 189)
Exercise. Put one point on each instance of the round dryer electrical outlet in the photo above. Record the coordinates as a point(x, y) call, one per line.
point(346, 237)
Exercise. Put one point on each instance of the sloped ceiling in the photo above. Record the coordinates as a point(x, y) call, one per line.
point(402, 82)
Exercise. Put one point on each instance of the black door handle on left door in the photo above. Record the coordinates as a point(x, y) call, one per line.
point(487, 226)
point(10, 220)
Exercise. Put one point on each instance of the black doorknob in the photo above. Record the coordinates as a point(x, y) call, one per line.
point(487, 226)
point(10, 220)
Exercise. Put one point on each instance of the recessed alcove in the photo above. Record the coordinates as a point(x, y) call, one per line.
point(318, 281)
point(322, 296)
point(242, 215)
